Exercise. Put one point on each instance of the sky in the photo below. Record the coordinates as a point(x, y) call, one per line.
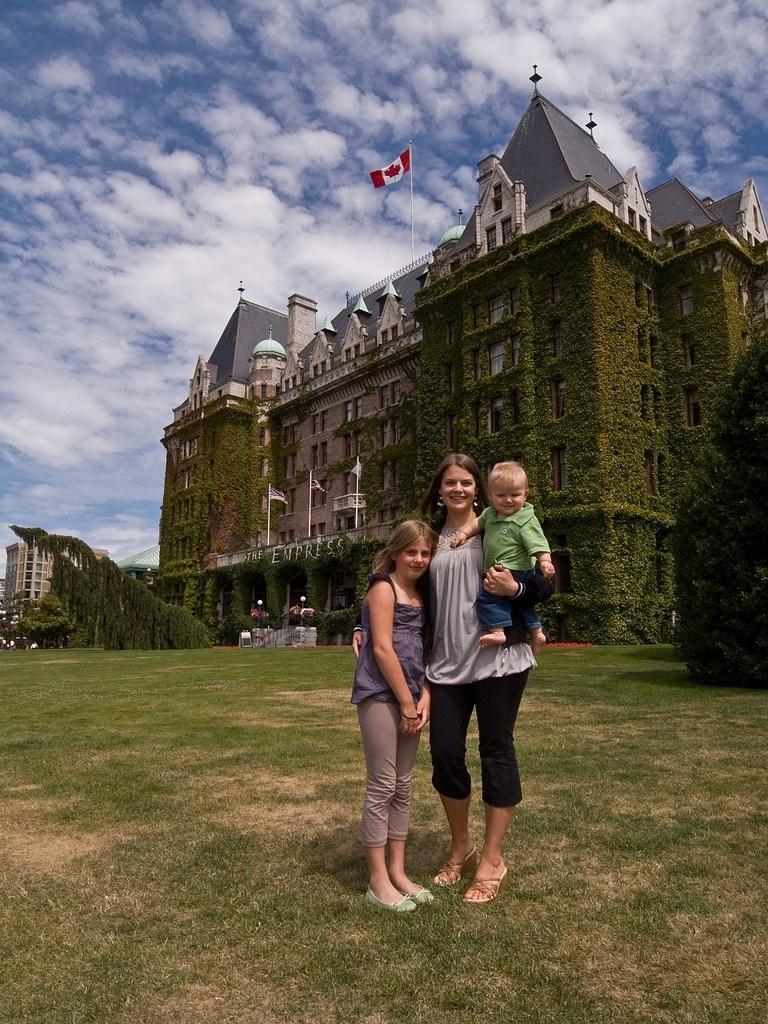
point(155, 154)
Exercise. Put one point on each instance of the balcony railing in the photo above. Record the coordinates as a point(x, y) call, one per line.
point(348, 501)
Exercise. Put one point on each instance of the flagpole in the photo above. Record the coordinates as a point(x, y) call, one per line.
point(309, 518)
point(269, 513)
point(410, 156)
point(357, 491)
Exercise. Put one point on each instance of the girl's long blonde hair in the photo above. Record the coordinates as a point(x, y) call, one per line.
point(403, 537)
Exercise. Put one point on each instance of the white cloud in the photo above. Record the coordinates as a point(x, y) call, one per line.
point(78, 15)
point(64, 73)
point(206, 23)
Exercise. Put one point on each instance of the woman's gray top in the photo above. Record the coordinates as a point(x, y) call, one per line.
point(455, 575)
point(408, 642)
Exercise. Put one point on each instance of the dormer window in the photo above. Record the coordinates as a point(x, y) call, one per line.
point(490, 236)
point(497, 201)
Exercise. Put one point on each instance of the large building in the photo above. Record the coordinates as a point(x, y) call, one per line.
point(577, 322)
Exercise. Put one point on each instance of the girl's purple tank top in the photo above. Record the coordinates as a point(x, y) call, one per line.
point(408, 642)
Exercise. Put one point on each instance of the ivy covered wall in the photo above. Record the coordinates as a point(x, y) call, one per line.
point(585, 308)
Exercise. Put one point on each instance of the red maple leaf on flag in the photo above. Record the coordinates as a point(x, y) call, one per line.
point(393, 170)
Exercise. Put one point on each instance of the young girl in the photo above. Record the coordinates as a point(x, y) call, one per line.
point(393, 706)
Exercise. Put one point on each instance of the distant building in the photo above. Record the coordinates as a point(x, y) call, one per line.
point(28, 571)
point(576, 322)
point(144, 565)
point(2, 592)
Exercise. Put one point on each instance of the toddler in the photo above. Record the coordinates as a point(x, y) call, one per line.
point(512, 538)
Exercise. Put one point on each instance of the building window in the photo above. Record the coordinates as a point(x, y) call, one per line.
point(348, 412)
point(384, 396)
point(559, 469)
point(631, 217)
point(490, 237)
point(555, 339)
point(496, 309)
point(755, 218)
point(689, 350)
point(497, 197)
point(561, 584)
point(641, 344)
point(358, 408)
point(650, 298)
point(678, 241)
point(263, 390)
point(476, 315)
point(554, 288)
point(323, 453)
point(692, 406)
point(496, 358)
point(475, 363)
point(291, 503)
point(557, 397)
point(314, 456)
point(449, 377)
point(478, 419)
point(515, 345)
point(324, 419)
point(653, 351)
point(496, 417)
point(650, 477)
point(514, 406)
point(685, 296)
point(506, 230)
point(643, 226)
point(315, 423)
point(450, 430)
point(455, 264)
point(393, 332)
point(449, 336)
point(556, 211)
point(394, 392)
point(352, 444)
point(395, 429)
point(645, 402)
point(514, 300)
point(291, 465)
point(384, 434)
point(743, 298)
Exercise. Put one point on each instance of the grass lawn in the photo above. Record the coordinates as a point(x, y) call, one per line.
point(179, 843)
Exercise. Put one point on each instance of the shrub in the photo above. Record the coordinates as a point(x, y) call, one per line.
point(722, 542)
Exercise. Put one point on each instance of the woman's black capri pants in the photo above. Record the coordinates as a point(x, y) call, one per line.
point(496, 702)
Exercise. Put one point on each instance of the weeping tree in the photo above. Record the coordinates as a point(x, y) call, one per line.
point(722, 540)
point(109, 608)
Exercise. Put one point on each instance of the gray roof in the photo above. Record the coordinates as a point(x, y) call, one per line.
point(727, 209)
point(248, 325)
point(406, 285)
point(673, 203)
point(550, 152)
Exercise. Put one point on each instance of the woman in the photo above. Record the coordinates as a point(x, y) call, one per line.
point(464, 677)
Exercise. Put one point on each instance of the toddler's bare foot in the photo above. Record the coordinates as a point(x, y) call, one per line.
point(493, 639)
point(538, 641)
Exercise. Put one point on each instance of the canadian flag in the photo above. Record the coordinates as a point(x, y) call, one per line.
point(389, 175)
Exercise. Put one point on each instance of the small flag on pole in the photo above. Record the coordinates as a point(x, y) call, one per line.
point(389, 175)
point(357, 469)
point(315, 485)
point(275, 495)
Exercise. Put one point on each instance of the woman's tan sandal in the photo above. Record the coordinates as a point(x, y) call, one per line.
point(485, 890)
point(451, 871)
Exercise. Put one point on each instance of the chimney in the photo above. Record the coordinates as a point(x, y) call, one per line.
point(301, 322)
point(485, 169)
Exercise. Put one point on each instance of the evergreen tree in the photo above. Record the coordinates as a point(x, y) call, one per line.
point(722, 541)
